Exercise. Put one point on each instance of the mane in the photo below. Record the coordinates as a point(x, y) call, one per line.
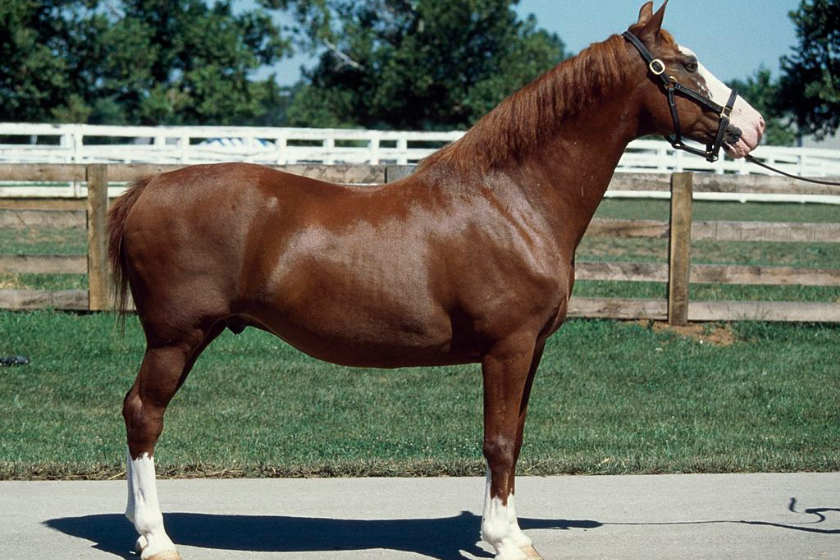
point(522, 120)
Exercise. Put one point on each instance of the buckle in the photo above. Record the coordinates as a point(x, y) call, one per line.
point(657, 67)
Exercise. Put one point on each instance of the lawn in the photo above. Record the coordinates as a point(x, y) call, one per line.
point(610, 398)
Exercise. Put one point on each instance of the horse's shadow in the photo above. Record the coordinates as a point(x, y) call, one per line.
point(441, 538)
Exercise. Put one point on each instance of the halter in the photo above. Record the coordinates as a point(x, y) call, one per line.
point(673, 87)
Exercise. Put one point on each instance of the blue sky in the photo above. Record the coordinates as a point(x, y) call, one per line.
point(733, 38)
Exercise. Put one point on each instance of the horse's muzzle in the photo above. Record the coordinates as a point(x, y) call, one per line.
point(732, 136)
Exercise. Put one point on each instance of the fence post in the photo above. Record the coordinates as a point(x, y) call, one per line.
point(99, 286)
point(397, 172)
point(679, 249)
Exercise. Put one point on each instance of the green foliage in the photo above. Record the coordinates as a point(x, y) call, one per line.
point(36, 75)
point(421, 64)
point(188, 62)
point(810, 86)
point(136, 62)
point(762, 92)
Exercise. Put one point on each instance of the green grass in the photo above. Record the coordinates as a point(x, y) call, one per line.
point(46, 241)
point(800, 255)
point(43, 281)
point(723, 211)
point(709, 292)
point(609, 398)
point(805, 255)
point(43, 241)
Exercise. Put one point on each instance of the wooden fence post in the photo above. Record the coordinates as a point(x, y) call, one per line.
point(679, 250)
point(397, 172)
point(99, 285)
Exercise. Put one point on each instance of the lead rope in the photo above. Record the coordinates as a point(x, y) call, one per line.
point(753, 160)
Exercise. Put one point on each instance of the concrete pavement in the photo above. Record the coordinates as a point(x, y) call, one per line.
point(715, 517)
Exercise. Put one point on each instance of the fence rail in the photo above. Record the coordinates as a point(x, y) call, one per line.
point(48, 143)
point(678, 273)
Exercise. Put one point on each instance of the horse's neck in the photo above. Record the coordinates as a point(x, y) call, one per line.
point(568, 175)
point(562, 168)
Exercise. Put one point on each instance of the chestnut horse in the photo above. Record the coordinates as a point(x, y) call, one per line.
point(469, 260)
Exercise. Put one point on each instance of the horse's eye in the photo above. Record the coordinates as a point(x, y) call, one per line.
point(692, 65)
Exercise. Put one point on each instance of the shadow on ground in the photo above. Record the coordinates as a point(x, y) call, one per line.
point(442, 538)
point(813, 525)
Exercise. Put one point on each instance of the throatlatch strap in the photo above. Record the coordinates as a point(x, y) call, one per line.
point(725, 118)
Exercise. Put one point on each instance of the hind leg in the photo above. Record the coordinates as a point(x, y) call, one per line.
point(163, 371)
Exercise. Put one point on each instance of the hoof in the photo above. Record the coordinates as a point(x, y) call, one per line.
point(510, 553)
point(170, 555)
point(531, 553)
point(142, 543)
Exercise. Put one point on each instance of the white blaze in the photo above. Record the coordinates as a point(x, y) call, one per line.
point(744, 117)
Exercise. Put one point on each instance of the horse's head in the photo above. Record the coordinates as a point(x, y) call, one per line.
point(675, 73)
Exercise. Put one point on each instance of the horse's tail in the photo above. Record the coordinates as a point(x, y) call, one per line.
point(117, 216)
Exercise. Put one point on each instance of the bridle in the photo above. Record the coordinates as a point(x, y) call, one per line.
point(672, 88)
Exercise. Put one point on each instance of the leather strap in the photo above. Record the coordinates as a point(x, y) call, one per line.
point(672, 88)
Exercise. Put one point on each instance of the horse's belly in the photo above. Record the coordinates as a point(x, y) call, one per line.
point(368, 344)
point(360, 330)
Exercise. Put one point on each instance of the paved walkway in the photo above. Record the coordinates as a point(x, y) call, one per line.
point(714, 517)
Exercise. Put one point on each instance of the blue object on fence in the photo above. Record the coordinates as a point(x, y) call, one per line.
point(14, 361)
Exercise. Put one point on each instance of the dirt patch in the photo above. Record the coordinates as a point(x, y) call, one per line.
point(716, 335)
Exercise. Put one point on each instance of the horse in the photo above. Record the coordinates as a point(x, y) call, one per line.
point(470, 259)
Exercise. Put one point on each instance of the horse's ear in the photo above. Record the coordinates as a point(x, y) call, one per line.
point(645, 13)
point(654, 24)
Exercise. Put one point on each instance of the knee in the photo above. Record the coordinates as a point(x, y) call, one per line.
point(500, 453)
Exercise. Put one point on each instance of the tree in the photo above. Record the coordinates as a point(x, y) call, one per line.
point(417, 64)
point(188, 62)
point(36, 38)
point(137, 62)
point(810, 84)
point(762, 92)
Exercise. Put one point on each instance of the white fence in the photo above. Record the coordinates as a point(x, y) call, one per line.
point(46, 143)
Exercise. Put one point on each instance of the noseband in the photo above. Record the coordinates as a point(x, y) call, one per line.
point(673, 87)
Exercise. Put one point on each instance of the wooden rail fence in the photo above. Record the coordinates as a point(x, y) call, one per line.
point(678, 273)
